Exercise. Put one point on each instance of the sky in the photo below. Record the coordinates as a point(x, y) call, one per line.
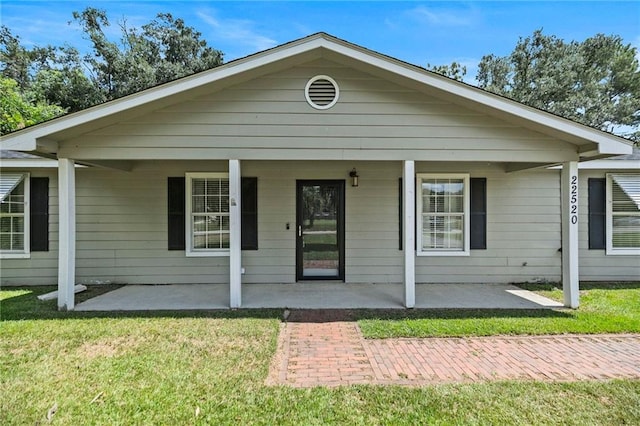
point(418, 32)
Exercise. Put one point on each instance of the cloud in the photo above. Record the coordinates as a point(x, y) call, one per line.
point(239, 31)
point(442, 18)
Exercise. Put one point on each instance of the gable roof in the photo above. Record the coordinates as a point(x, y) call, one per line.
point(43, 137)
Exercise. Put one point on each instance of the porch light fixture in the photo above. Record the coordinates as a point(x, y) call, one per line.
point(353, 174)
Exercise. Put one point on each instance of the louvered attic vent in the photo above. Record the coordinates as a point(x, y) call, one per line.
point(322, 92)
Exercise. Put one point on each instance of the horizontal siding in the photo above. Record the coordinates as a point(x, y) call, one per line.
point(523, 230)
point(596, 265)
point(270, 115)
point(42, 267)
point(121, 226)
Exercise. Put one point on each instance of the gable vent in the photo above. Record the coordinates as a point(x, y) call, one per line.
point(322, 92)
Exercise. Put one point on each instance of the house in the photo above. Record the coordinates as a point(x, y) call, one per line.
point(609, 229)
point(314, 160)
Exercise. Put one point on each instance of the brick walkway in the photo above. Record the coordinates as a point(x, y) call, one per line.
point(334, 354)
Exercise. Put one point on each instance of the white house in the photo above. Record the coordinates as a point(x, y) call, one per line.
point(315, 160)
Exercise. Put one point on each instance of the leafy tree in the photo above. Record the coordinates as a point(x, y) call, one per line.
point(455, 71)
point(596, 82)
point(17, 112)
point(164, 50)
point(48, 75)
point(14, 57)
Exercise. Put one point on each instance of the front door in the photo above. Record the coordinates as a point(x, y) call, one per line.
point(320, 230)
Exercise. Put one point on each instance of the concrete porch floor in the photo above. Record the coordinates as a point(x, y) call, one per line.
point(315, 295)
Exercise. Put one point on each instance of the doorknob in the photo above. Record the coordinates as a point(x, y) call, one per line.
point(300, 231)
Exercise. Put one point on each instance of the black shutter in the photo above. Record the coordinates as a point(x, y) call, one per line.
point(39, 214)
point(478, 213)
point(249, 212)
point(176, 213)
point(597, 213)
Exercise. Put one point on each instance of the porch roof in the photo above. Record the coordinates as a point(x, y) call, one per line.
point(44, 139)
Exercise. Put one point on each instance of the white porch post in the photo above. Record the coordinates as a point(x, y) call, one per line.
point(67, 234)
point(409, 232)
point(569, 194)
point(235, 255)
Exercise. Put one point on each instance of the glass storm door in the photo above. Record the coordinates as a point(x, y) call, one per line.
point(320, 230)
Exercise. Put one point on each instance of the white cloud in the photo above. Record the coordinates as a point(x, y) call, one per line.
point(239, 31)
point(444, 18)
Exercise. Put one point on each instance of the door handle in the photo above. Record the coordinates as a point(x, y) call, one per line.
point(300, 231)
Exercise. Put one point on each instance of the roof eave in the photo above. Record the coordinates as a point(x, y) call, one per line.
point(608, 144)
point(595, 142)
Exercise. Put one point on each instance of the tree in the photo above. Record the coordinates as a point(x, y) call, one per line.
point(16, 112)
point(164, 50)
point(455, 71)
point(47, 75)
point(15, 59)
point(596, 82)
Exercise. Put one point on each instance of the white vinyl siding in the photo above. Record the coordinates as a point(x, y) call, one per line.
point(207, 205)
point(623, 214)
point(14, 217)
point(443, 214)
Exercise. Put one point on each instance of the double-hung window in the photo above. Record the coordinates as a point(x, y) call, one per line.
point(443, 214)
point(14, 215)
point(207, 204)
point(623, 213)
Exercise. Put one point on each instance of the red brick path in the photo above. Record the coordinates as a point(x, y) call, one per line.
point(334, 353)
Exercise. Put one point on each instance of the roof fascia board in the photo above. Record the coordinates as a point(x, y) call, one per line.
point(27, 163)
point(25, 140)
point(607, 144)
point(610, 165)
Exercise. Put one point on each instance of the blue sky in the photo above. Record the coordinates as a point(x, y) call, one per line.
point(419, 32)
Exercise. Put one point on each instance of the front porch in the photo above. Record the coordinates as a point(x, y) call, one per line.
point(317, 295)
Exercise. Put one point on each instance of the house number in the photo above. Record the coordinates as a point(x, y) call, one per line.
point(573, 202)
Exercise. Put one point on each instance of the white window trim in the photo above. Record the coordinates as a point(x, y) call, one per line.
point(26, 253)
point(190, 252)
point(467, 215)
point(611, 251)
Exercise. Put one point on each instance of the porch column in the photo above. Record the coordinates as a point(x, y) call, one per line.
point(67, 234)
point(235, 254)
point(409, 232)
point(569, 194)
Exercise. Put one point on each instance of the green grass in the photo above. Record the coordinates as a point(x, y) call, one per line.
point(164, 367)
point(604, 308)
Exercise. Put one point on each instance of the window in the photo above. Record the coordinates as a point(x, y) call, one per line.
point(443, 215)
point(14, 215)
point(623, 213)
point(207, 201)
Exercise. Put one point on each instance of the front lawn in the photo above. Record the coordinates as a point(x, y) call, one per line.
point(210, 368)
point(604, 308)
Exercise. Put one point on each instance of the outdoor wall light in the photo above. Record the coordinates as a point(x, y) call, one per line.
point(354, 177)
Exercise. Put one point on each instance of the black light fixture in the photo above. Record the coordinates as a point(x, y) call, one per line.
point(353, 174)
